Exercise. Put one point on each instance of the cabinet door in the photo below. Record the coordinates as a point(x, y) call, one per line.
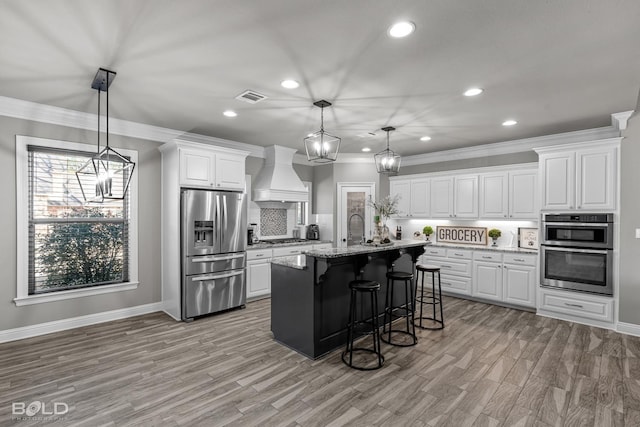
point(258, 278)
point(196, 168)
point(229, 170)
point(494, 195)
point(466, 197)
point(487, 280)
point(523, 195)
point(596, 178)
point(420, 198)
point(403, 189)
point(520, 285)
point(441, 202)
point(557, 170)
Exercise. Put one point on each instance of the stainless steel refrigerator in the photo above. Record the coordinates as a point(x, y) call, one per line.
point(214, 243)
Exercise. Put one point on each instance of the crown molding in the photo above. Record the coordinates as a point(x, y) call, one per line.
point(27, 110)
point(619, 120)
point(511, 147)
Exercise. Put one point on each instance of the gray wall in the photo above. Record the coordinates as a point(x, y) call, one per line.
point(630, 220)
point(148, 169)
point(323, 189)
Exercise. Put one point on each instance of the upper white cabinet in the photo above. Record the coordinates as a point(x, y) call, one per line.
point(509, 195)
point(465, 196)
point(486, 193)
point(414, 197)
point(211, 168)
point(580, 176)
point(442, 197)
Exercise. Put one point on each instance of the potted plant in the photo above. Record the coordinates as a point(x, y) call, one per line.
point(384, 208)
point(427, 231)
point(494, 233)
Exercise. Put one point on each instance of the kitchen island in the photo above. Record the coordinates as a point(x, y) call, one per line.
point(310, 293)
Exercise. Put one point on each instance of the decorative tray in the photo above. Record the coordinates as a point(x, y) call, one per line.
point(377, 244)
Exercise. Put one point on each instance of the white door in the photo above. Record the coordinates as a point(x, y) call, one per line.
point(442, 197)
point(355, 215)
point(196, 168)
point(523, 195)
point(229, 172)
point(487, 280)
point(258, 278)
point(493, 195)
point(519, 285)
point(558, 180)
point(401, 188)
point(420, 198)
point(595, 183)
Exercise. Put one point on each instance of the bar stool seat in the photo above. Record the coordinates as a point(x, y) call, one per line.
point(429, 299)
point(404, 310)
point(363, 286)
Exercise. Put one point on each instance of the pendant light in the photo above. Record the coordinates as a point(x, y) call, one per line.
point(106, 176)
point(322, 147)
point(387, 161)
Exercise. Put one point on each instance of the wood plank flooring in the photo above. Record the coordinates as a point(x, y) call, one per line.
point(490, 366)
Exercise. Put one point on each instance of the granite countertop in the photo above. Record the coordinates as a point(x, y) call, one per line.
point(264, 245)
point(298, 262)
point(362, 249)
point(484, 248)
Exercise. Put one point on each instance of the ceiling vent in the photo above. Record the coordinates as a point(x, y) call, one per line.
point(251, 97)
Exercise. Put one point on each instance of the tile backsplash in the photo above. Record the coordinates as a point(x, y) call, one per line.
point(273, 222)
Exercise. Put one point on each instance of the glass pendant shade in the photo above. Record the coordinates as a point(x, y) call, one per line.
point(387, 161)
point(107, 175)
point(322, 147)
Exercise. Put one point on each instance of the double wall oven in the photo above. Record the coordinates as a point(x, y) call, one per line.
point(577, 252)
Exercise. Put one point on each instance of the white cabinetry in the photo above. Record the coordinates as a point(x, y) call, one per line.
point(580, 176)
point(258, 273)
point(509, 195)
point(414, 197)
point(455, 268)
point(487, 275)
point(519, 279)
point(575, 306)
point(442, 197)
point(466, 196)
point(205, 167)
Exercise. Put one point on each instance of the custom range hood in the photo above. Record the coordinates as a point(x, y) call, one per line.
point(277, 181)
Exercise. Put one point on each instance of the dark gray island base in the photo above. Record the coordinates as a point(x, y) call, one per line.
point(310, 293)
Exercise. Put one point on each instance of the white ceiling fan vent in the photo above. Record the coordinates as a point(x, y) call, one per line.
point(251, 97)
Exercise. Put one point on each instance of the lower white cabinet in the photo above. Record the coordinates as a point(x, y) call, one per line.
point(575, 306)
point(508, 277)
point(258, 273)
point(455, 268)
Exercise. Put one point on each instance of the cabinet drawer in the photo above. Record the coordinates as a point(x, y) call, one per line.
point(459, 253)
point(457, 267)
point(487, 256)
point(290, 250)
point(435, 252)
point(590, 307)
point(259, 254)
point(457, 284)
point(528, 259)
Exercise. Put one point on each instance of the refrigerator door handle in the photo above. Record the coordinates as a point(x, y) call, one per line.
point(217, 223)
point(216, 276)
point(217, 258)
point(224, 216)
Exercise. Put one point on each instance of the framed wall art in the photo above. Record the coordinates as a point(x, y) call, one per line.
point(528, 238)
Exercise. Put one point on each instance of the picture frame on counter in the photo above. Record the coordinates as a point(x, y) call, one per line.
point(527, 238)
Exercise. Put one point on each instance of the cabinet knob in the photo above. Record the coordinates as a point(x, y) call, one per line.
point(505, 216)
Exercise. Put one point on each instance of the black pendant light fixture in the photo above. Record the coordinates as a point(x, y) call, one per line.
point(387, 161)
point(106, 176)
point(322, 147)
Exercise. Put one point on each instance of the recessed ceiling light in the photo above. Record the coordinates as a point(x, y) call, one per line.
point(425, 138)
point(473, 91)
point(401, 29)
point(290, 84)
point(509, 123)
point(366, 149)
point(230, 113)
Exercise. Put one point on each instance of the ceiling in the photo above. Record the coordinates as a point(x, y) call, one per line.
point(552, 66)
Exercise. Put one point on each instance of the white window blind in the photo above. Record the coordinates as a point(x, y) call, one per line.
point(71, 244)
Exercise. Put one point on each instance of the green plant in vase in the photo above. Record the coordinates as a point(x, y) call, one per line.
point(427, 231)
point(384, 208)
point(494, 233)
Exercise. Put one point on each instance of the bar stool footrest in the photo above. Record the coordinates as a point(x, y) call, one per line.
point(360, 368)
point(418, 323)
point(396, 331)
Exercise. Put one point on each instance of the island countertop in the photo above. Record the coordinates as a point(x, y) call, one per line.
point(362, 249)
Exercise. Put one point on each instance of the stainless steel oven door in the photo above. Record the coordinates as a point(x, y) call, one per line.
point(583, 235)
point(586, 270)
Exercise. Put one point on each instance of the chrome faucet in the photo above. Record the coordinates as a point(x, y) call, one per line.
point(349, 227)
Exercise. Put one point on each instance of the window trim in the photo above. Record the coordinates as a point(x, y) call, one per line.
point(22, 226)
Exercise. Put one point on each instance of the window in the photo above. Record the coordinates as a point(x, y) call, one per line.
point(71, 248)
point(303, 208)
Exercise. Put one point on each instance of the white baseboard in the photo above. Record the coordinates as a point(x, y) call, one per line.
point(628, 328)
point(76, 322)
point(575, 319)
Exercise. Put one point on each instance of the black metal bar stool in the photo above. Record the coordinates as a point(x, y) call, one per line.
point(404, 310)
point(431, 299)
point(372, 288)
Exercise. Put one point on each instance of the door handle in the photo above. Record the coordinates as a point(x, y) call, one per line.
point(216, 276)
point(217, 258)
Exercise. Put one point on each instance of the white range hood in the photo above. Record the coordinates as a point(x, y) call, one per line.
point(277, 181)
